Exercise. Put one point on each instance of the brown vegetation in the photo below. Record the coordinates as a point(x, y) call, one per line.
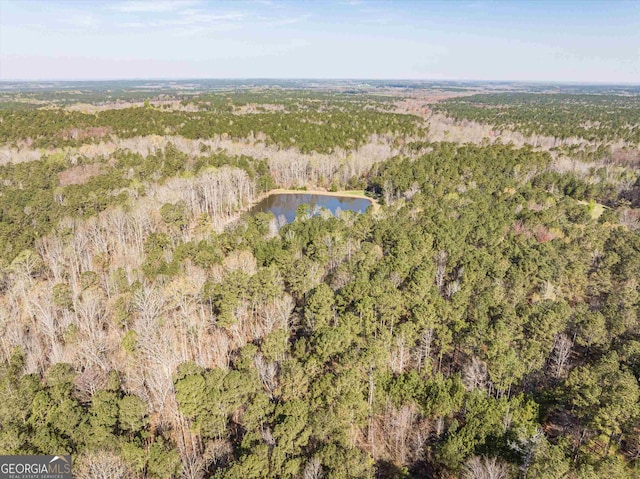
point(78, 175)
point(85, 133)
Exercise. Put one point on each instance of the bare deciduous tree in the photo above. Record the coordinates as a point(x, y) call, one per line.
point(268, 372)
point(441, 269)
point(475, 375)
point(560, 354)
point(423, 352)
point(485, 468)
point(51, 250)
point(100, 465)
point(313, 469)
point(526, 445)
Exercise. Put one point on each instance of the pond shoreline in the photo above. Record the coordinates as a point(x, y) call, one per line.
point(284, 191)
point(341, 194)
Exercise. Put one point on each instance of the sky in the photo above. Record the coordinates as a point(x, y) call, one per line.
point(543, 40)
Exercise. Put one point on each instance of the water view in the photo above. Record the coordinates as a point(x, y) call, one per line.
point(286, 205)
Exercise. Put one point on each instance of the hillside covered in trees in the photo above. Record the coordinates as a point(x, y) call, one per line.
point(482, 321)
point(593, 117)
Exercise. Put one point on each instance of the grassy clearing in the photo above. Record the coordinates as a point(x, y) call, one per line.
point(595, 209)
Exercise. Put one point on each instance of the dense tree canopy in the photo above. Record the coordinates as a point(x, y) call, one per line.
point(592, 117)
point(481, 318)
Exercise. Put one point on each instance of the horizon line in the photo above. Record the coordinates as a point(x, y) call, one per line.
point(448, 80)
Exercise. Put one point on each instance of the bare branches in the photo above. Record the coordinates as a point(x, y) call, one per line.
point(441, 269)
point(267, 371)
point(485, 468)
point(422, 352)
point(313, 469)
point(560, 354)
point(101, 465)
point(475, 375)
point(218, 193)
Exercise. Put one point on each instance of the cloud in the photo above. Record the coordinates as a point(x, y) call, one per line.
point(189, 20)
point(193, 17)
point(210, 18)
point(81, 21)
point(377, 21)
point(282, 21)
point(193, 21)
point(133, 25)
point(158, 6)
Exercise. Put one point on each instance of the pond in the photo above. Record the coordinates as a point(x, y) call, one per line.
point(286, 204)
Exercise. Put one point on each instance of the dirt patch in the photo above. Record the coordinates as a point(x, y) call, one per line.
point(629, 157)
point(79, 175)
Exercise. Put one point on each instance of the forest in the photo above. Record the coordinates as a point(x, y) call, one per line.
point(593, 117)
point(481, 321)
